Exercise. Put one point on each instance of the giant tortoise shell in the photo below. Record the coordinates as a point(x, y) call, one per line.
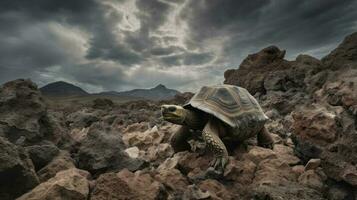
point(231, 104)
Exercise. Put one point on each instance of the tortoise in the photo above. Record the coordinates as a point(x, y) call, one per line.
point(223, 113)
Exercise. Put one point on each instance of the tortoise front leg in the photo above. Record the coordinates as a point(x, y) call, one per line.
point(214, 143)
point(264, 139)
point(179, 139)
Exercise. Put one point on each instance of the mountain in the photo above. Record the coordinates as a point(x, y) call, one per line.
point(62, 88)
point(159, 92)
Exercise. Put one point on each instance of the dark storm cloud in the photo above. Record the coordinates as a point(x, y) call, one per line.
point(119, 44)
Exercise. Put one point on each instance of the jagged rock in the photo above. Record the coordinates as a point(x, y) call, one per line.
point(68, 184)
point(110, 186)
point(241, 172)
point(103, 150)
point(143, 139)
point(315, 124)
point(42, 154)
point(82, 119)
point(173, 180)
point(258, 154)
point(102, 103)
point(336, 168)
point(17, 174)
point(133, 152)
point(216, 190)
point(78, 134)
point(312, 164)
point(345, 55)
point(286, 154)
point(193, 192)
point(311, 179)
point(62, 161)
point(289, 190)
point(23, 113)
point(142, 184)
point(158, 153)
point(298, 169)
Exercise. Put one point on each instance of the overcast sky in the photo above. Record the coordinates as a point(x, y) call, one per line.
point(183, 44)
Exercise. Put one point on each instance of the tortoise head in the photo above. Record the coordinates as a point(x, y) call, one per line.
point(174, 114)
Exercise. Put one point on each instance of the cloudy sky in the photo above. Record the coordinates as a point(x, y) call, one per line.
point(183, 44)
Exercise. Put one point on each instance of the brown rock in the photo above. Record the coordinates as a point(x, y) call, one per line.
point(142, 184)
point(110, 186)
point(312, 164)
point(311, 179)
point(193, 192)
point(61, 162)
point(241, 172)
point(173, 179)
point(273, 171)
point(216, 190)
point(315, 123)
point(298, 170)
point(258, 154)
point(68, 184)
point(286, 154)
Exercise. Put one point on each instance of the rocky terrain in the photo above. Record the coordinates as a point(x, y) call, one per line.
point(107, 150)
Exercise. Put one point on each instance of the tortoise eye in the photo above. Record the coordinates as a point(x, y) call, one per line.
point(172, 109)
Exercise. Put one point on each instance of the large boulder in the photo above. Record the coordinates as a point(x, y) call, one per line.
point(17, 174)
point(62, 161)
point(23, 114)
point(103, 150)
point(42, 154)
point(68, 184)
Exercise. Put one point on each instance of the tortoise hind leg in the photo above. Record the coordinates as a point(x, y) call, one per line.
point(179, 139)
point(264, 139)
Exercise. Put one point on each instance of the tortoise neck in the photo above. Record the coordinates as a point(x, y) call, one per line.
point(194, 120)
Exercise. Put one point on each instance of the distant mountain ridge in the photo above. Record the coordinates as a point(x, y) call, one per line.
point(159, 92)
point(62, 88)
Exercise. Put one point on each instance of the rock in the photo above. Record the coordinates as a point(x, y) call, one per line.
point(143, 139)
point(78, 134)
point(216, 189)
point(258, 154)
point(272, 171)
point(110, 186)
point(158, 153)
point(133, 152)
point(103, 150)
point(298, 170)
point(289, 190)
point(62, 161)
point(311, 179)
point(68, 184)
point(312, 164)
point(241, 172)
point(142, 184)
point(315, 124)
point(173, 180)
point(23, 113)
point(336, 192)
point(193, 192)
point(286, 154)
point(42, 154)
point(17, 174)
point(336, 168)
point(344, 55)
point(82, 119)
point(102, 103)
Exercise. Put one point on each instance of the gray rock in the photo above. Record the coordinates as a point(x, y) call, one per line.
point(17, 174)
point(103, 150)
point(42, 154)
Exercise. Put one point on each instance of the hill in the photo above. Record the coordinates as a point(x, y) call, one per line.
point(61, 88)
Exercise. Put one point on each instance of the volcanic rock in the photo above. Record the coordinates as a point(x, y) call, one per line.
point(62, 161)
point(42, 154)
point(23, 113)
point(68, 184)
point(17, 174)
point(103, 150)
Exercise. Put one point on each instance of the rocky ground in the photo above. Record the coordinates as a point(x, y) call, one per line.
point(121, 151)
